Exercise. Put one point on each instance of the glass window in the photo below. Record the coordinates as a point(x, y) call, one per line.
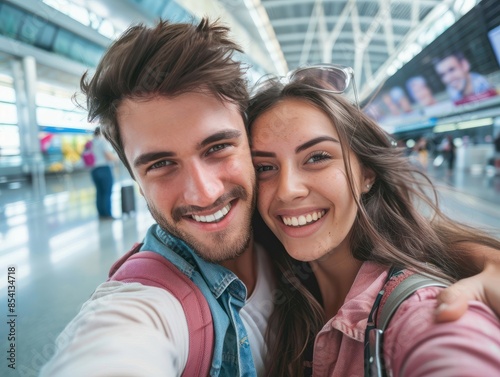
point(7, 94)
point(10, 20)
point(9, 113)
point(46, 36)
point(63, 42)
point(30, 28)
point(9, 141)
point(48, 100)
point(49, 117)
point(78, 49)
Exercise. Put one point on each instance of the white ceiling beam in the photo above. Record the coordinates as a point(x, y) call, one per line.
point(385, 13)
point(267, 52)
point(415, 13)
point(299, 37)
point(45, 13)
point(359, 44)
point(348, 46)
point(287, 3)
point(54, 61)
point(309, 37)
point(367, 65)
point(340, 21)
point(376, 61)
point(382, 15)
point(332, 20)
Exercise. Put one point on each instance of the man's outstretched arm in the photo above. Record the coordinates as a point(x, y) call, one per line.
point(484, 287)
point(124, 329)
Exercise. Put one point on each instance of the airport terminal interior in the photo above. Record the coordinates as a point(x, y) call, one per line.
point(53, 241)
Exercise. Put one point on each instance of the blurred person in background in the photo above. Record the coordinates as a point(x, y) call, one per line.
point(496, 155)
point(102, 174)
point(448, 148)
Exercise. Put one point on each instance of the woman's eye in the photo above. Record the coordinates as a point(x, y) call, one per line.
point(260, 168)
point(318, 157)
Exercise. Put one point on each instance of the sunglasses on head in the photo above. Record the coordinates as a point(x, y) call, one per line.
point(327, 78)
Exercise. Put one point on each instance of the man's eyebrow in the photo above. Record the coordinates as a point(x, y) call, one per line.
point(315, 141)
point(222, 135)
point(146, 158)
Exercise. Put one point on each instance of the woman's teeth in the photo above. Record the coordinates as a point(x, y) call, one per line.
point(303, 219)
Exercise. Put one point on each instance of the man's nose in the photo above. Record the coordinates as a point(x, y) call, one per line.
point(203, 185)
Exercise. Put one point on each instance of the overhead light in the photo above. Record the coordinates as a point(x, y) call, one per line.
point(475, 123)
point(445, 128)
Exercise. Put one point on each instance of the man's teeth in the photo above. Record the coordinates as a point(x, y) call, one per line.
point(214, 217)
point(303, 219)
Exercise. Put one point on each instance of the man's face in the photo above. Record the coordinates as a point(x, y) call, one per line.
point(191, 159)
point(453, 72)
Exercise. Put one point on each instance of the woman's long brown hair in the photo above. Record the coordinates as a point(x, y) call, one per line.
point(399, 221)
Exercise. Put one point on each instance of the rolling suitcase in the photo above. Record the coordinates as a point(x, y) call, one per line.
point(128, 199)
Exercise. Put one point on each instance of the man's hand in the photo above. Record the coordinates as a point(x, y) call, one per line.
point(484, 287)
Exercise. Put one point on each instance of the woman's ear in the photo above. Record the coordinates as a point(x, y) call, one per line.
point(369, 179)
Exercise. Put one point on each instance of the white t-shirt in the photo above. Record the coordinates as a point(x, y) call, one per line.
point(141, 331)
point(258, 308)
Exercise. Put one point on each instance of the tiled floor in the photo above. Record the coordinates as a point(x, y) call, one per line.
point(60, 251)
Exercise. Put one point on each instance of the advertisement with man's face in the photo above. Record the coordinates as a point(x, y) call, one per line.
point(450, 74)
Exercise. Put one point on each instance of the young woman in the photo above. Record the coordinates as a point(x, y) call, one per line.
point(340, 196)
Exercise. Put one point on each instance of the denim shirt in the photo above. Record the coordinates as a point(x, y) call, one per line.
point(225, 294)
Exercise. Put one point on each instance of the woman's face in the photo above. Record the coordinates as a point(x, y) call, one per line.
point(304, 194)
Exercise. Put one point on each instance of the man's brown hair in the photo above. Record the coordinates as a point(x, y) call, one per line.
point(165, 60)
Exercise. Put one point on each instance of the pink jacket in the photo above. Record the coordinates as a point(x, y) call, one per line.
point(413, 344)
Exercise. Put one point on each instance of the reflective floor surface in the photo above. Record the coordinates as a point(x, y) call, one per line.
point(58, 251)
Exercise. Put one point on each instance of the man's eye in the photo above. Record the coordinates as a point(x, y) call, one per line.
point(160, 164)
point(218, 147)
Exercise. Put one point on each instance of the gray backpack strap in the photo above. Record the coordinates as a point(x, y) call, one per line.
point(401, 292)
point(374, 366)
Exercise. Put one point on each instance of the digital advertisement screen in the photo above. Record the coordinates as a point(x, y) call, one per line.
point(459, 69)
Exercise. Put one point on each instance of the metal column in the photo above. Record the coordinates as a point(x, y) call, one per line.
point(25, 80)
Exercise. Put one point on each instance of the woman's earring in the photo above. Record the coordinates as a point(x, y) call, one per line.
point(368, 187)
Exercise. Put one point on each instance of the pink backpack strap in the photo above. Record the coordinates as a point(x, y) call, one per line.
point(150, 268)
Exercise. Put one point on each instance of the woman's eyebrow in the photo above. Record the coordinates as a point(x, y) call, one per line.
point(263, 154)
point(315, 141)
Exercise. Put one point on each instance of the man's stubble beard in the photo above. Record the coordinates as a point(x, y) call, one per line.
point(221, 251)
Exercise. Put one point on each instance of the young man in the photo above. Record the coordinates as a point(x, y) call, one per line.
point(171, 100)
